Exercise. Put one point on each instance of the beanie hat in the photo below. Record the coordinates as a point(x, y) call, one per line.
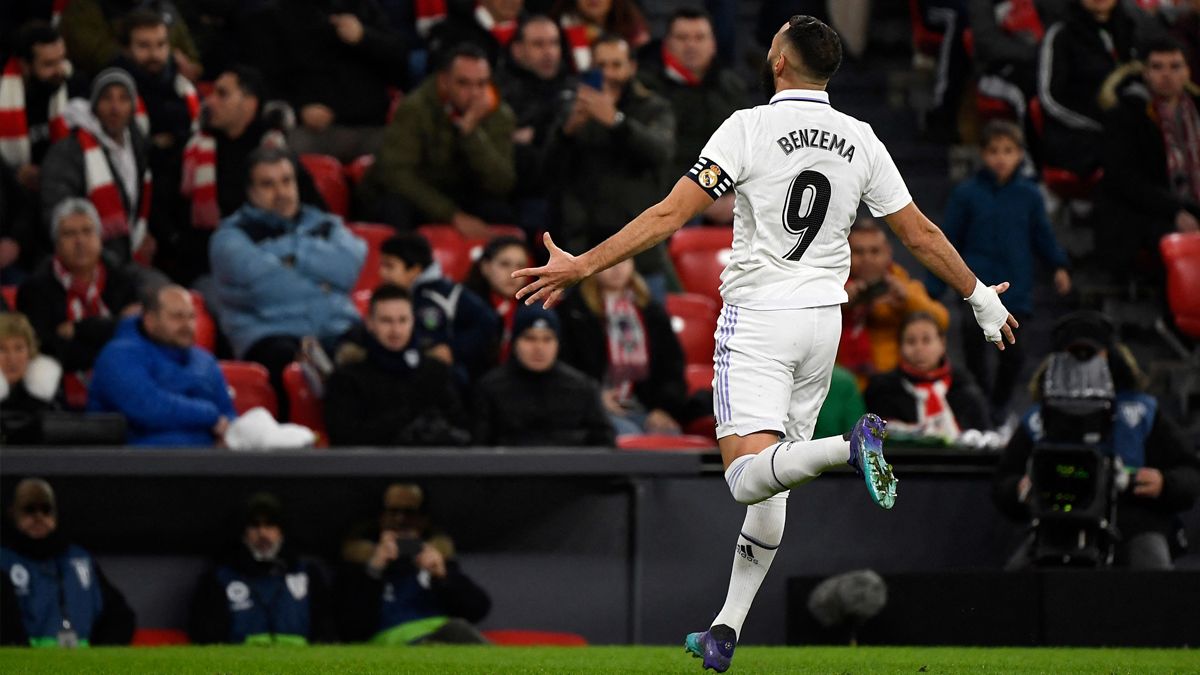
point(111, 76)
point(534, 317)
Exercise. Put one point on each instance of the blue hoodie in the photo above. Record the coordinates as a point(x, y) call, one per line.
point(275, 276)
point(169, 395)
point(998, 229)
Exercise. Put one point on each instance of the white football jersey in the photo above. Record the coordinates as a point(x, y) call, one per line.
point(799, 169)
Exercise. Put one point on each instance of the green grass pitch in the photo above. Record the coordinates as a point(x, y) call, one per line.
point(749, 659)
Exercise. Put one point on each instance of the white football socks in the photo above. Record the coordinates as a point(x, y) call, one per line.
point(783, 466)
point(762, 531)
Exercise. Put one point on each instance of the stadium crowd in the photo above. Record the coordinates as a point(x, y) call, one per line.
point(339, 191)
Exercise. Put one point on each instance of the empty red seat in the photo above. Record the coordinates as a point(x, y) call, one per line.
point(699, 377)
point(1181, 256)
point(455, 253)
point(330, 181)
point(700, 255)
point(694, 320)
point(304, 406)
point(527, 638)
point(663, 442)
point(10, 296)
point(374, 235)
point(206, 328)
point(249, 386)
point(358, 168)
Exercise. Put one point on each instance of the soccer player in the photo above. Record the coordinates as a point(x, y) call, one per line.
point(798, 169)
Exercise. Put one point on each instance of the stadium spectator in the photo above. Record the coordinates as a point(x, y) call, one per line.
point(491, 278)
point(996, 220)
point(30, 381)
point(703, 92)
point(263, 592)
point(447, 155)
point(1006, 36)
point(105, 160)
point(75, 299)
point(167, 102)
point(453, 325)
point(92, 27)
point(1151, 183)
point(334, 62)
point(403, 584)
point(171, 392)
point(536, 85)
point(842, 407)
point(213, 182)
point(386, 392)
point(487, 24)
point(1077, 54)
point(1186, 29)
point(583, 22)
point(881, 294)
point(536, 399)
point(1164, 466)
point(615, 333)
point(610, 155)
point(282, 270)
point(52, 592)
point(926, 396)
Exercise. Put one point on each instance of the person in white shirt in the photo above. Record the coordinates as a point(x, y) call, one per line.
point(798, 169)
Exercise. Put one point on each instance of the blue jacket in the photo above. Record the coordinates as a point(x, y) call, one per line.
point(170, 396)
point(279, 277)
point(37, 583)
point(997, 229)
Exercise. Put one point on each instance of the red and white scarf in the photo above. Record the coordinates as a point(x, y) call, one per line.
point(506, 308)
point(579, 34)
point(676, 71)
point(185, 90)
point(199, 183)
point(628, 352)
point(429, 13)
point(105, 195)
point(934, 416)
point(15, 148)
point(503, 31)
point(1181, 139)
point(84, 301)
point(56, 11)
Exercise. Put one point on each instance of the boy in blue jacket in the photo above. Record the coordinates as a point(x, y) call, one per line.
point(997, 221)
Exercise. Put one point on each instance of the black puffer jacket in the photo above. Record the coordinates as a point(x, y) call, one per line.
point(518, 407)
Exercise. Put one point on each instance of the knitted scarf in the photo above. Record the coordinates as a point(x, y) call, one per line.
point(628, 351)
point(676, 71)
point(1181, 138)
point(930, 388)
point(185, 90)
point(579, 35)
point(199, 184)
point(84, 301)
point(106, 196)
point(503, 31)
point(428, 13)
point(15, 148)
point(506, 308)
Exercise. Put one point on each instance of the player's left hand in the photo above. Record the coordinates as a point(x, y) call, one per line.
point(559, 273)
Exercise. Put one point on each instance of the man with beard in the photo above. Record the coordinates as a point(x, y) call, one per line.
point(52, 592)
point(263, 593)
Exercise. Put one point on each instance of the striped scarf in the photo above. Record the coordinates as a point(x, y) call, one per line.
point(185, 90)
point(579, 36)
point(1181, 140)
point(503, 31)
point(104, 194)
point(84, 301)
point(676, 71)
point(929, 389)
point(199, 183)
point(429, 13)
point(628, 351)
point(15, 148)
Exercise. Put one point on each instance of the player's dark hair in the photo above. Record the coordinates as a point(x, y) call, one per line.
point(466, 50)
point(688, 14)
point(529, 20)
point(139, 18)
point(818, 45)
point(918, 317)
point(1001, 129)
point(32, 34)
point(387, 292)
point(412, 249)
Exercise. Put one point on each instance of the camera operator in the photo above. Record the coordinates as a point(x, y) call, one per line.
point(1163, 469)
point(402, 584)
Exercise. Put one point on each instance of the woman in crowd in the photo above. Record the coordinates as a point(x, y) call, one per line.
point(491, 279)
point(30, 380)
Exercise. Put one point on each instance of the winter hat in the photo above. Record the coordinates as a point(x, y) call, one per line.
point(111, 76)
point(534, 317)
point(263, 508)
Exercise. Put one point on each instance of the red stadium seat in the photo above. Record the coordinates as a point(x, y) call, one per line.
point(327, 174)
point(249, 386)
point(527, 638)
point(664, 443)
point(1181, 256)
point(374, 235)
point(699, 377)
point(991, 108)
point(159, 637)
point(455, 253)
point(362, 300)
point(694, 320)
point(1070, 185)
point(358, 168)
point(700, 255)
point(206, 328)
point(10, 296)
point(305, 408)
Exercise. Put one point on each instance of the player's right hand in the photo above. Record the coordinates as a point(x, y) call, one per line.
point(991, 315)
point(559, 273)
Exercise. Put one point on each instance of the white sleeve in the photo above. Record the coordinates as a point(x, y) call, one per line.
point(721, 161)
point(885, 192)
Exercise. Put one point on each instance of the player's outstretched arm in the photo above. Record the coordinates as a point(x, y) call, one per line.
point(937, 254)
point(655, 224)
